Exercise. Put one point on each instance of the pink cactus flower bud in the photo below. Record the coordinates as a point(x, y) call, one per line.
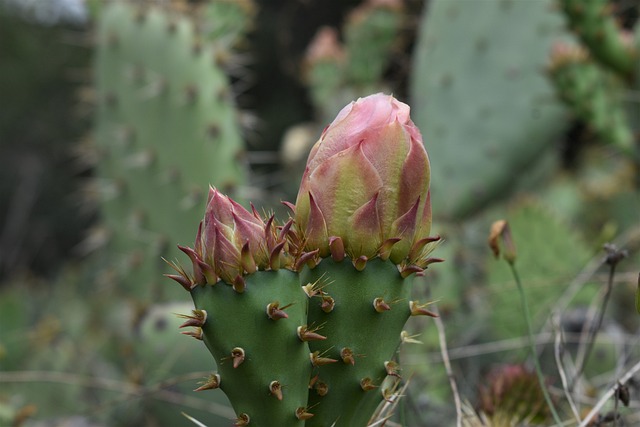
point(367, 181)
point(232, 242)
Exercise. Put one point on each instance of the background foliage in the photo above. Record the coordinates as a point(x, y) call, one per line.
point(113, 121)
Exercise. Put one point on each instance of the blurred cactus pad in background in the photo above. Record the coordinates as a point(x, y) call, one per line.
point(302, 169)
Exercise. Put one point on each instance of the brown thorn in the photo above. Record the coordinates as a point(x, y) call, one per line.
point(306, 334)
point(195, 333)
point(210, 383)
point(347, 356)
point(418, 309)
point(302, 414)
point(275, 312)
point(380, 305)
point(275, 388)
point(238, 355)
point(317, 360)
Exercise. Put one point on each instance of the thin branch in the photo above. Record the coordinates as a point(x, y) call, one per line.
point(121, 387)
point(447, 365)
point(614, 256)
point(558, 353)
point(603, 400)
point(509, 344)
point(534, 354)
point(625, 239)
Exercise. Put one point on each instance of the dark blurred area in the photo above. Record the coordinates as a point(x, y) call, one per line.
point(46, 111)
point(43, 70)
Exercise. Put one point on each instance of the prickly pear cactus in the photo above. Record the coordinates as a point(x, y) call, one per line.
point(304, 319)
point(479, 93)
point(166, 127)
point(594, 95)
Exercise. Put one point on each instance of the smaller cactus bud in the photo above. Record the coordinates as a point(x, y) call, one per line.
point(418, 309)
point(230, 243)
point(500, 231)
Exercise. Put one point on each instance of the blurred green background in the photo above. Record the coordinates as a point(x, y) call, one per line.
point(116, 115)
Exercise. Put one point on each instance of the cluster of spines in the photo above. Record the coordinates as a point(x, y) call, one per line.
point(351, 307)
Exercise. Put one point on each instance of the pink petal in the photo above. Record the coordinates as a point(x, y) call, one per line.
point(316, 232)
point(365, 234)
point(414, 182)
point(404, 227)
point(341, 185)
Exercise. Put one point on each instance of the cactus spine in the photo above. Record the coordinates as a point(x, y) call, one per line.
point(263, 365)
point(361, 314)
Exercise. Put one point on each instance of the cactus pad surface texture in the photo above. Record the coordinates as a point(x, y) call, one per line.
point(479, 94)
point(166, 128)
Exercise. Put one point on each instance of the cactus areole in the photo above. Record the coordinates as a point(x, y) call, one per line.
point(304, 319)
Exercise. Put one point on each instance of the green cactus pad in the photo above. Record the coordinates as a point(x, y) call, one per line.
point(480, 97)
point(272, 349)
point(371, 336)
point(166, 128)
